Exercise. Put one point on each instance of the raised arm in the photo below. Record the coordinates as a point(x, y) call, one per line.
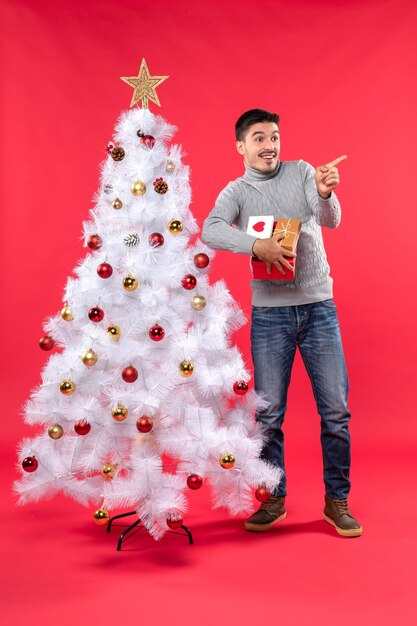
point(318, 187)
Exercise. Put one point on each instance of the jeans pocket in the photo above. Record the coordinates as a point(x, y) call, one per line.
point(329, 304)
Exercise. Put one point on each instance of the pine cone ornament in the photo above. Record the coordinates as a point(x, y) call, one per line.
point(131, 240)
point(160, 185)
point(117, 153)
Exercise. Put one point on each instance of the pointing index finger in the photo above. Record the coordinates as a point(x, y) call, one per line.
point(336, 161)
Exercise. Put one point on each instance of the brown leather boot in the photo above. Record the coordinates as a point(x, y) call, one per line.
point(338, 514)
point(268, 514)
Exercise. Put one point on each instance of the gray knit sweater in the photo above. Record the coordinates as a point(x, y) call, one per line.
point(289, 191)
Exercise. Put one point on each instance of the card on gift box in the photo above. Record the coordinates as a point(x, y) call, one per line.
point(260, 226)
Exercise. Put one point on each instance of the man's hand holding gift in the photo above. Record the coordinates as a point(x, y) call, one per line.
point(272, 253)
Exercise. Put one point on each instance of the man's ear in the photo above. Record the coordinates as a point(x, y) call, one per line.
point(240, 147)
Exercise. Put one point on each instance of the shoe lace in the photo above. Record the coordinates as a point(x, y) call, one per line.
point(343, 506)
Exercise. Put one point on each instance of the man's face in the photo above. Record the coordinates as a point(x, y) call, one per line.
point(260, 147)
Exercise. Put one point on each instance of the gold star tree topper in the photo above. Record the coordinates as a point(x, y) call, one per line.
point(144, 86)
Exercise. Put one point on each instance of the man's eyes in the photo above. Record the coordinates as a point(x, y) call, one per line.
point(259, 139)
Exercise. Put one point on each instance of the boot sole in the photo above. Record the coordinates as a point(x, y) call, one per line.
point(259, 528)
point(353, 532)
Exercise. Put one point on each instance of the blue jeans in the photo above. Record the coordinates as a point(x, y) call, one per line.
point(314, 328)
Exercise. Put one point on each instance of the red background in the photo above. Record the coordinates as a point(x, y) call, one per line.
point(342, 77)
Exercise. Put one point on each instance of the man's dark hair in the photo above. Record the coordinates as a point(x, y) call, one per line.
point(254, 116)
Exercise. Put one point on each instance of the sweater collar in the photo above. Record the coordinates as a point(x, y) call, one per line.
point(253, 175)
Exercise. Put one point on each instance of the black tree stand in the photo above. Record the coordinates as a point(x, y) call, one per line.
point(137, 525)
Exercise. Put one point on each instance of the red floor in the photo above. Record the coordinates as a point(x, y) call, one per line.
point(60, 568)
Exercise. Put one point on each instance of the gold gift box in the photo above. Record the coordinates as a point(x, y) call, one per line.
point(291, 230)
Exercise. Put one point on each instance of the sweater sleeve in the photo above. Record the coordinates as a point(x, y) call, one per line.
point(327, 212)
point(218, 229)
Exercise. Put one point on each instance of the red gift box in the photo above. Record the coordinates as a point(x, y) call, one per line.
point(259, 270)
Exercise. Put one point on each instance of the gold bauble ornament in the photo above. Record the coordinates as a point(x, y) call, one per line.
point(198, 302)
point(119, 413)
point(67, 387)
point(130, 283)
point(66, 313)
point(117, 204)
point(138, 188)
point(55, 431)
point(114, 332)
point(101, 516)
point(108, 471)
point(170, 166)
point(186, 368)
point(227, 460)
point(175, 227)
point(89, 358)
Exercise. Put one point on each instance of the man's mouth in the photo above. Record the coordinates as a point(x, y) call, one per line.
point(267, 156)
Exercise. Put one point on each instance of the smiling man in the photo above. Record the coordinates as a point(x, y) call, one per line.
point(287, 314)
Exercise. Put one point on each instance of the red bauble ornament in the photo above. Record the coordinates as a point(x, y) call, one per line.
point(30, 464)
point(201, 260)
point(174, 521)
point(262, 494)
point(129, 374)
point(46, 343)
point(82, 427)
point(240, 387)
point(148, 141)
point(194, 481)
point(96, 314)
point(156, 333)
point(189, 281)
point(144, 424)
point(104, 270)
point(94, 242)
point(156, 240)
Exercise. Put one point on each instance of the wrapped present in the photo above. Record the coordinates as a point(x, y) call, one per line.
point(262, 228)
point(291, 230)
point(259, 271)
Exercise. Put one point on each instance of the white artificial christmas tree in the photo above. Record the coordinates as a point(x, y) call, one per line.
point(145, 367)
